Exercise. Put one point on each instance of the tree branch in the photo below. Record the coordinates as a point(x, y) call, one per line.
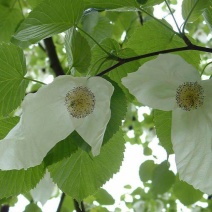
point(52, 54)
point(5, 208)
point(61, 202)
point(130, 59)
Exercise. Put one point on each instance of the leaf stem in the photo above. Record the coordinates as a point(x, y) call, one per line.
point(189, 15)
point(34, 81)
point(205, 68)
point(173, 16)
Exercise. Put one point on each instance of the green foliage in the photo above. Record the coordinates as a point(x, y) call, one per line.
point(34, 3)
point(68, 204)
point(15, 182)
point(6, 124)
point(97, 26)
point(78, 50)
point(109, 4)
point(186, 193)
point(118, 108)
point(163, 123)
point(32, 207)
point(47, 19)
point(146, 170)
point(208, 14)
point(9, 19)
point(63, 149)
point(6, 3)
point(152, 36)
point(82, 174)
point(102, 197)
point(101, 36)
point(192, 9)
point(12, 82)
point(162, 178)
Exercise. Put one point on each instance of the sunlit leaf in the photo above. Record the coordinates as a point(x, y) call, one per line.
point(162, 179)
point(15, 182)
point(78, 50)
point(12, 82)
point(47, 19)
point(186, 193)
point(6, 124)
point(163, 122)
point(146, 170)
point(82, 174)
point(194, 8)
point(9, 19)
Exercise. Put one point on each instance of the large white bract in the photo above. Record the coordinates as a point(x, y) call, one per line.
point(50, 115)
point(169, 83)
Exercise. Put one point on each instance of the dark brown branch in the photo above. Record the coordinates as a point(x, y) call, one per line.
point(5, 208)
point(130, 59)
point(52, 54)
point(77, 208)
point(61, 202)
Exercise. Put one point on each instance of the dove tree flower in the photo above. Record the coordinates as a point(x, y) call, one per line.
point(169, 83)
point(50, 115)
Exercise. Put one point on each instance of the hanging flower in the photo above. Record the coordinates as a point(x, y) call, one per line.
point(51, 114)
point(169, 83)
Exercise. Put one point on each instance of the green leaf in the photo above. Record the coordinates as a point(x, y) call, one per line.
point(63, 149)
point(15, 182)
point(163, 123)
point(34, 3)
point(32, 207)
point(6, 3)
point(6, 124)
point(149, 3)
point(12, 82)
point(146, 170)
point(97, 26)
point(208, 15)
point(186, 193)
point(103, 197)
point(109, 4)
point(151, 37)
point(68, 204)
point(50, 17)
point(195, 7)
point(123, 22)
point(162, 178)
point(192, 57)
point(82, 174)
point(118, 106)
point(9, 19)
point(78, 50)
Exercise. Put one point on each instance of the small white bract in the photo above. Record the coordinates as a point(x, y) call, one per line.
point(54, 112)
point(169, 83)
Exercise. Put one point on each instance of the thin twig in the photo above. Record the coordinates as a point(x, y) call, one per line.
point(78, 208)
point(61, 202)
point(52, 54)
point(130, 59)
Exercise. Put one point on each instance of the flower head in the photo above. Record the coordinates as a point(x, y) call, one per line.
point(169, 83)
point(51, 114)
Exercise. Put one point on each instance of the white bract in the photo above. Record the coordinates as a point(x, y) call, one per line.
point(169, 83)
point(50, 115)
point(43, 190)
